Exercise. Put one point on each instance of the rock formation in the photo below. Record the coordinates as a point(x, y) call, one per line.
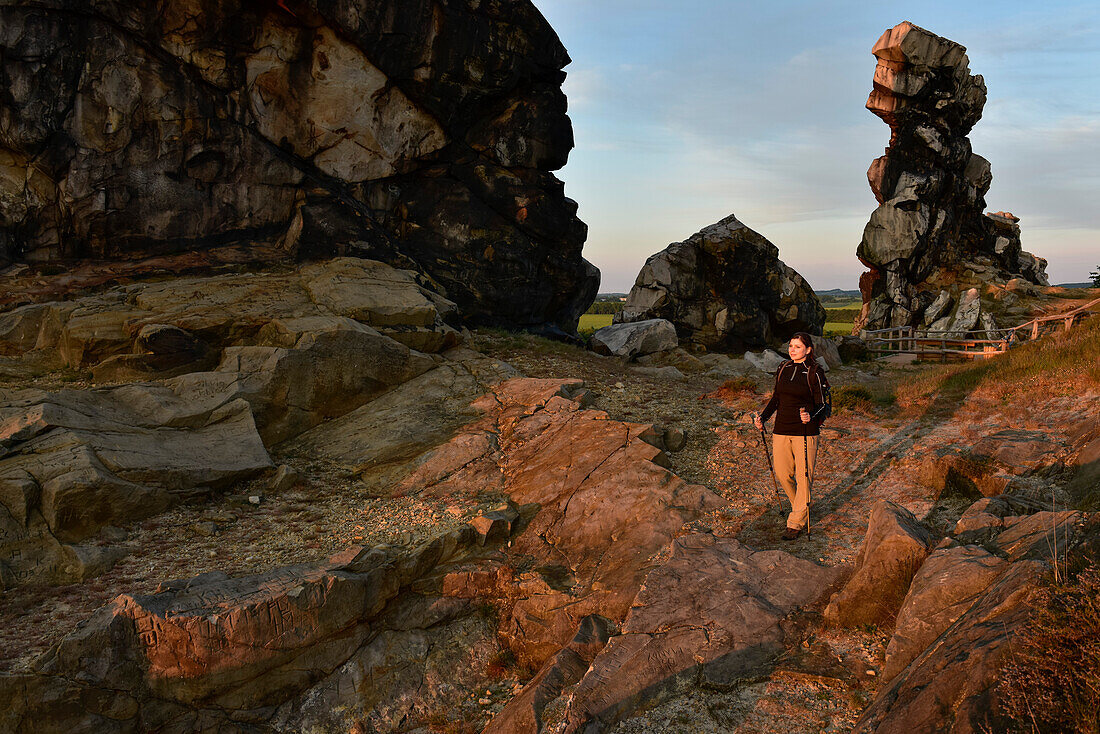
point(929, 240)
point(724, 288)
point(419, 134)
point(966, 600)
point(290, 351)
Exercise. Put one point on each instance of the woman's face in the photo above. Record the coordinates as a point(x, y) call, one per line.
point(797, 350)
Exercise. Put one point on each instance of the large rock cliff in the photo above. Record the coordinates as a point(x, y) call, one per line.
point(421, 134)
point(929, 234)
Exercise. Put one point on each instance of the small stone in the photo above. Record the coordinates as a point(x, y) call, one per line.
point(285, 478)
point(871, 672)
point(254, 499)
point(205, 529)
point(484, 701)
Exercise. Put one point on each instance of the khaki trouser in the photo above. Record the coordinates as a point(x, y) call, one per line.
point(790, 468)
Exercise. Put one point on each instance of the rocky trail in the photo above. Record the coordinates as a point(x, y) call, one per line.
point(347, 483)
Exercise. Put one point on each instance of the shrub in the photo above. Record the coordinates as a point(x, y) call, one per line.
point(738, 384)
point(852, 397)
point(1052, 681)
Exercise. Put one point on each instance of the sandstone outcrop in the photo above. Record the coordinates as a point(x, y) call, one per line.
point(929, 241)
point(420, 134)
point(607, 504)
point(893, 550)
point(154, 330)
point(949, 686)
point(711, 615)
point(948, 583)
point(293, 351)
point(279, 651)
point(957, 624)
point(724, 288)
point(588, 509)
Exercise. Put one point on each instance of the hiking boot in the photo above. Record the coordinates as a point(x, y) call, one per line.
point(791, 533)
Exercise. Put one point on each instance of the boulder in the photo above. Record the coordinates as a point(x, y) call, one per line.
point(767, 361)
point(679, 358)
point(948, 583)
point(635, 339)
point(851, 348)
point(661, 373)
point(928, 241)
point(950, 686)
point(312, 133)
point(826, 352)
point(724, 288)
point(893, 550)
point(941, 306)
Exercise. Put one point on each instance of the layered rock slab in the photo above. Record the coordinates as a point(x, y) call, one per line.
point(267, 651)
point(948, 583)
point(950, 685)
point(711, 614)
point(74, 461)
point(206, 314)
point(928, 241)
point(724, 288)
point(421, 134)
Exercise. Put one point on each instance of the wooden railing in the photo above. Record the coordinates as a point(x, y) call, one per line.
point(1045, 324)
point(945, 344)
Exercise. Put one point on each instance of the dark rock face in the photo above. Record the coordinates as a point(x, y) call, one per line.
point(929, 232)
point(417, 133)
point(724, 288)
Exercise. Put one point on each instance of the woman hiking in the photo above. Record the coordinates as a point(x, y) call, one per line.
point(800, 402)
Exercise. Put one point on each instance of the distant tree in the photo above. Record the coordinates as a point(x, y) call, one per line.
point(606, 307)
point(1095, 275)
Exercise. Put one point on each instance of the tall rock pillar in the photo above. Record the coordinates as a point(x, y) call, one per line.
point(929, 234)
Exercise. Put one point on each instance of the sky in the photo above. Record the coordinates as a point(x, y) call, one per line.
point(684, 113)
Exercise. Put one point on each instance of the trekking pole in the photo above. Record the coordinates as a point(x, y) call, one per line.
point(771, 469)
point(806, 469)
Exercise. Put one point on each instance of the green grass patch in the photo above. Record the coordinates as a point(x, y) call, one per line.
point(592, 321)
point(835, 328)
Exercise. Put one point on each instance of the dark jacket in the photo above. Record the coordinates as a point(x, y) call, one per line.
point(799, 385)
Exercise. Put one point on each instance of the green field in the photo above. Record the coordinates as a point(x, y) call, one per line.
point(593, 321)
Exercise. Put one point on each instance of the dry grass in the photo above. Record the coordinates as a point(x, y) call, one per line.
point(1060, 364)
point(1052, 681)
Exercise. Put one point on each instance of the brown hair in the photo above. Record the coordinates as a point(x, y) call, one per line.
point(806, 339)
